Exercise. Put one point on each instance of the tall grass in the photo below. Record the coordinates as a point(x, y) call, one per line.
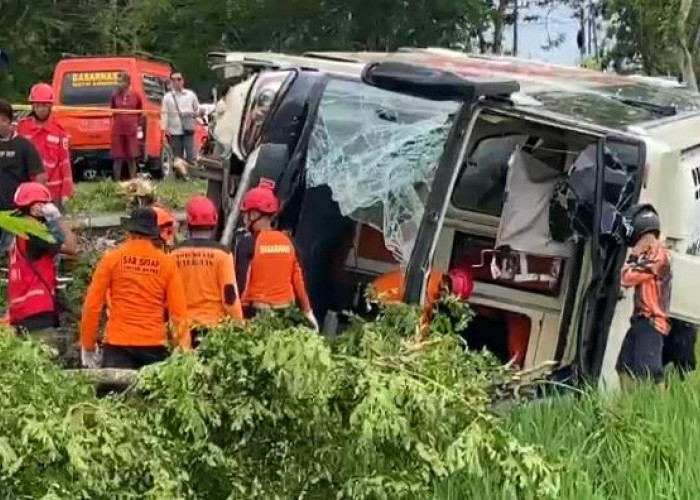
point(641, 445)
point(105, 196)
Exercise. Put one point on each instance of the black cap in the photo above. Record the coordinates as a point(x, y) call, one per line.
point(143, 221)
point(6, 110)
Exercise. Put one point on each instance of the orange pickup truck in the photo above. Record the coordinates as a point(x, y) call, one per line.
point(83, 87)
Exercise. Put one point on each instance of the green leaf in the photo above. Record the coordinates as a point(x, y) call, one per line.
point(23, 226)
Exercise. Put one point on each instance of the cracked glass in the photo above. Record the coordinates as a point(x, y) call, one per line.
point(378, 152)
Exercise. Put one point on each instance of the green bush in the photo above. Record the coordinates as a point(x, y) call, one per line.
point(268, 410)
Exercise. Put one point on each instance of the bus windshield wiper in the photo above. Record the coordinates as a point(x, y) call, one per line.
point(657, 109)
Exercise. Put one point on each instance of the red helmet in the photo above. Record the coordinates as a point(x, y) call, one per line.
point(261, 199)
point(41, 93)
point(201, 212)
point(29, 193)
point(462, 283)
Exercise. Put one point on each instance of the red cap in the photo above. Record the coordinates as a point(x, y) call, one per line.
point(41, 93)
point(201, 212)
point(29, 193)
point(462, 283)
point(261, 199)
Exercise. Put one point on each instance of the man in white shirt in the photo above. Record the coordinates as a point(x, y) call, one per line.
point(179, 113)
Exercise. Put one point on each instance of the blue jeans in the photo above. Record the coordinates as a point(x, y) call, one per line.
point(183, 147)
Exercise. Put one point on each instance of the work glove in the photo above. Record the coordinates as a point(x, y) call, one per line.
point(90, 359)
point(51, 211)
point(312, 319)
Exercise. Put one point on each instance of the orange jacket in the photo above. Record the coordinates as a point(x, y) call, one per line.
point(274, 276)
point(207, 272)
point(650, 275)
point(390, 288)
point(142, 282)
point(51, 141)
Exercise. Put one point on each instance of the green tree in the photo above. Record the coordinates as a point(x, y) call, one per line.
point(35, 34)
point(659, 37)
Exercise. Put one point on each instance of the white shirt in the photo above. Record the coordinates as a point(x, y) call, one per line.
point(187, 102)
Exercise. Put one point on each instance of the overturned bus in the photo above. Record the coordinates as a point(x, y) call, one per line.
point(515, 171)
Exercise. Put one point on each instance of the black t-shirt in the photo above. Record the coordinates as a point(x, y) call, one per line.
point(19, 162)
point(245, 250)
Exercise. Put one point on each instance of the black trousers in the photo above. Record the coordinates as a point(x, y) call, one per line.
point(641, 351)
point(132, 357)
point(679, 346)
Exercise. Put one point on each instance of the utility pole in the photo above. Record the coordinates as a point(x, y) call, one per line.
point(515, 27)
point(594, 22)
point(114, 8)
point(589, 26)
point(582, 15)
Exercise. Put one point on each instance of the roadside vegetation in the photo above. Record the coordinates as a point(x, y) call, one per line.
point(106, 196)
point(640, 445)
point(271, 410)
point(275, 411)
point(268, 410)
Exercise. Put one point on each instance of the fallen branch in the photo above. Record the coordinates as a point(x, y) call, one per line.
point(108, 376)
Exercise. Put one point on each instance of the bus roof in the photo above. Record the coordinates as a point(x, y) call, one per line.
point(603, 99)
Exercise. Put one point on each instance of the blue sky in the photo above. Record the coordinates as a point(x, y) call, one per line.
point(534, 35)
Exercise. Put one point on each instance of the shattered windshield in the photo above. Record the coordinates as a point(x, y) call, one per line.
point(378, 152)
point(606, 106)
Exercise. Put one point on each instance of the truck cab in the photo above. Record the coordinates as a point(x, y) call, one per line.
point(83, 87)
point(513, 171)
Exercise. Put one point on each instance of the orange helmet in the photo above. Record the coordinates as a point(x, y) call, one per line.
point(166, 225)
point(29, 193)
point(261, 199)
point(41, 93)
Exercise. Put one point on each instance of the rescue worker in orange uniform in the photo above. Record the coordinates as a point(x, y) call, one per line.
point(207, 270)
point(142, 282)
point(517, 325)
point(166, 226)
point(32, 270)
point(51, 141)
point(390, 288)
point(269, 272)
point(648, 271)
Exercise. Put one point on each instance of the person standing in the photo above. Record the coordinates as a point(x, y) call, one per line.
point(142, 283)
point(268, 261)
point(179, 113)
point(207, 270)
point(51, 141)
point(19, 162)
point(32, 283)
point(125, 127)
point(648, 271)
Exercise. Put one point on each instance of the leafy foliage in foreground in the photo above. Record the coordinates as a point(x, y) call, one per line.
point(267, 411)
point(24, 226)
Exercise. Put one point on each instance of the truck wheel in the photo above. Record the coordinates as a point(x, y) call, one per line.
point(89, 174)
point(162, 167)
